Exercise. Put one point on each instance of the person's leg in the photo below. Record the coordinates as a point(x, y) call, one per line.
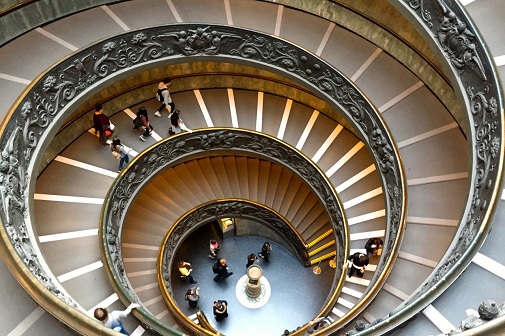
point(157, 113)
point(121, 163)
point(172, 107)
point(351, 272)
point(191, 280)
point(102, 138)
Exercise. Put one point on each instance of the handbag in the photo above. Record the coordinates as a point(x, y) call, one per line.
point(111, 126)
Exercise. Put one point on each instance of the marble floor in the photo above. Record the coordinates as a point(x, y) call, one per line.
point(297, 294)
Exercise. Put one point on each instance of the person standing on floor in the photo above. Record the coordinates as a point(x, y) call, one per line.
point(357, 263)
point(220, 310)
point(143, 120)
point(102, 125)
point(185, 269)
point(221, 269)
point(192, 297)
point(213, 248)
point(251, 258)
point(266, 249)
point(120, 151)
point(113, 320)
point(163, 95)
point(176, 124)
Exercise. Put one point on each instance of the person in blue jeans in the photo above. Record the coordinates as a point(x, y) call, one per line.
point(113, 320)
point(120, 151)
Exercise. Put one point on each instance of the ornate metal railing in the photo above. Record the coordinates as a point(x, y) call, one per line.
point(210, 142)
point(51, 97)
point(211, 211)
point(445, 24)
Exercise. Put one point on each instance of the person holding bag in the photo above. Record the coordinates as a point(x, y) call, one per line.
point(177, 125)
point(120, 151)
point(143, 120)
point(102, 125)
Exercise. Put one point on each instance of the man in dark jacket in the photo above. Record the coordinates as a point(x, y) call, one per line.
point(221, 269)
point(102, 124)
point(220, 310)
point(358, 261)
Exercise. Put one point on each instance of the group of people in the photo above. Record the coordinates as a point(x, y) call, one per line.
point(222, 271)
point(105, 129)
point(358, 261)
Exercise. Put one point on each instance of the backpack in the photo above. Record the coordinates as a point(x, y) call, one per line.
point(215, 268)
point(159, 94)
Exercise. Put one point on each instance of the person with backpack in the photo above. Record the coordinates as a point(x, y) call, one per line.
point(221, 269)
point(113, 320)
point(142, 120)
point(120, 152)
point(163, 96)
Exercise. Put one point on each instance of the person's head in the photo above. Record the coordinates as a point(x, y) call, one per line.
point(190, 291)
point(213, 242)
point(98, 108)
point(222, 261)
point(116, 142)
point(181, 264)
point(101, 314)
point(218, 304)
point(167, 81)
point(363, 258)
point(266, 245)
point(142, 110)
point(252, 256)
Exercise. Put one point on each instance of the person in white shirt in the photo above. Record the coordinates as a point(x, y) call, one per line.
point(177, 125)
point(163, 95)
point(113, 320)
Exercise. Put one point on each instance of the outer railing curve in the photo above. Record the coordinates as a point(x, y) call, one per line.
point(50, 98)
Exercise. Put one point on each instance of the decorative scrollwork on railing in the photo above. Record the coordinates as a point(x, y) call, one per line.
point(225, 209)
point(461, 45)
point(48, 100)
point(185, 146)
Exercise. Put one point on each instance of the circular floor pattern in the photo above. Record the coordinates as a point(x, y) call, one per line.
point(252, 303)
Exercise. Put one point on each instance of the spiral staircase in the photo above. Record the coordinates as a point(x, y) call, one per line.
point(417, 104)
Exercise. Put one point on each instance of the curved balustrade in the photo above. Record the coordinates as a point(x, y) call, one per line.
point(230, 208)
point(50, 99)
point(445, 24)
point(207, 142)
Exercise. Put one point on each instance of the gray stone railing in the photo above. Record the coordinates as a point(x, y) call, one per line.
point(208, 142)
point(446, 25)
point(229, 208)
point(52, 97)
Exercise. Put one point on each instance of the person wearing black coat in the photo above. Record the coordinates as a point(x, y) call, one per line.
point(221, 269)
point(220, 310)
point(357, 264)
